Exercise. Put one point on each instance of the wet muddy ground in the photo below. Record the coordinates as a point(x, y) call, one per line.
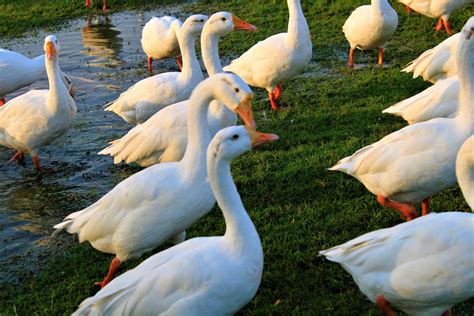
point(103, 56)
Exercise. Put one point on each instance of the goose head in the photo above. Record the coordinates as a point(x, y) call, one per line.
point(233, 141)
point(51, 47)
point(235, 94)
point(222, 23)
point(194, 24)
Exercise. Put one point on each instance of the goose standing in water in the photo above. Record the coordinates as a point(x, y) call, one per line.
point(163, 137)
point(273, 61)
point(152, 94)
point(369, 27)
point(18, 71)
point(36, 118)
point(410, 165)
point(159, 39)
point(164, 199)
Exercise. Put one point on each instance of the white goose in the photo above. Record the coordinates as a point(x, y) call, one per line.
point(439, 100)
point(465, 170)
point(278, 58)
point(36, 118)
point(164, 199)
point(159, 39)
point(441, 9)
point(18, 71)
point(201, 276)
point(152, 94)
point(369, 27)
point(410, 266)
point(410, 165)
point(436, 63)
point(163, 137)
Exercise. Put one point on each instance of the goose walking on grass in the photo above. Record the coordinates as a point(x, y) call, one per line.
point(437, 63)
point(36, 118)
point(201, 276)
point(159, 39)
point(439, 100)
point(18, 71)
point(410, 165)
point(163, 137)
point(165, 199)
point(422, 267)
point(152, 94)
point(273, 61)
point(441, 9)
point(465, 170)
point(369, 27)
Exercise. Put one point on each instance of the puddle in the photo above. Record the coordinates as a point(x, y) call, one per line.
point(103, 56)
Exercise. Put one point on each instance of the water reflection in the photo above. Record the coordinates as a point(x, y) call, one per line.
point(103, 56)
point(101, 40)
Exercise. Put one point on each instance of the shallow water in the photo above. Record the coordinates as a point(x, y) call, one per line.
point(103, 56)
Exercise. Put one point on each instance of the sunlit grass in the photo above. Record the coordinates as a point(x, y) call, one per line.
point(297, 205)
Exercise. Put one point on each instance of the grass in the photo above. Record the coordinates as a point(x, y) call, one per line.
point(297, 205)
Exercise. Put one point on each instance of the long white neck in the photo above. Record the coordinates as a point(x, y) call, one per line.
point(297, 25)
point(199, 137)
point(240, 233)
point(190, 63)
point(210, 51)
point(465, 64)
point(57, 90)
point(465, 171)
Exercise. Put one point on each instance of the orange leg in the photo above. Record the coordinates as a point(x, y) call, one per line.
point(150, 60)
point(277, 92)
point(273, 101)
point(439, 26)
point(104, 5)
point(384, 305)
point(447, 27)
point(19, 156)
point(88, 3)
point(114, 265)
point(408, 9)
point(425, 206)
point(406, 210)
point(351, 57)
point(2, 101)
point(179, 61)
point(381, 57)
point(36, 162)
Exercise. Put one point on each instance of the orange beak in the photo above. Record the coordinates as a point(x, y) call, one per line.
point(258, 138)
point(240, 24)
point(244, 110)
point(50, 50)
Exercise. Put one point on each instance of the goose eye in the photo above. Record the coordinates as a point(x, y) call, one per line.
point(224, 19)
point(56, 41)
point(235, 137)
point(237, 90)
point(201, 20)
